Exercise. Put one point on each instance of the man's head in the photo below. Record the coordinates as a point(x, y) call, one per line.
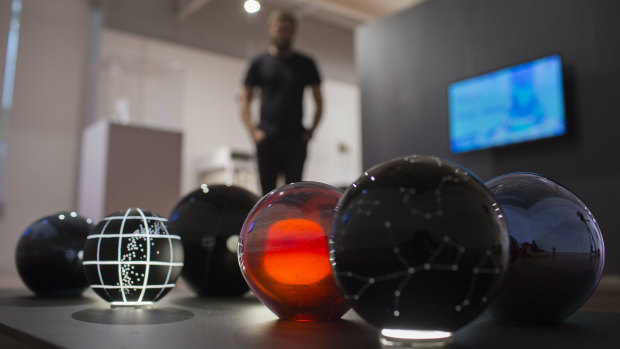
point(282, 27)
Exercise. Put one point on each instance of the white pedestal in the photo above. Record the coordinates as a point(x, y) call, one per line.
point(228, 166)
point(126, 166)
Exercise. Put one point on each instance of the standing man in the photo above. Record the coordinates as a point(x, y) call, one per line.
point(282, 75)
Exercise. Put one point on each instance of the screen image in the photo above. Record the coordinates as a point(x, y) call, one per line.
point(517, 104)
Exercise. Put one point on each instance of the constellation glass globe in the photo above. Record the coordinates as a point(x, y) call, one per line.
point(49, 255)
point(557, 250)
point(131, 259)
point(209, 220)
point(419, 247)
point(283, 252)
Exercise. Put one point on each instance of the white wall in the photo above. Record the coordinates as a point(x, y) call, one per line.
point(43, 140)
point(5, 19)
point(222, 26)
point(46, 119)
point(340, 128)
point(210, 85)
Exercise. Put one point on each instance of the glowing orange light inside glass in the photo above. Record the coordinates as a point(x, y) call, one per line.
point(296, 252)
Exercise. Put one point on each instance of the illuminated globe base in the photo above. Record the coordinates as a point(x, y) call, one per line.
point(283, 252)
point(415, 338)
point(141, 305)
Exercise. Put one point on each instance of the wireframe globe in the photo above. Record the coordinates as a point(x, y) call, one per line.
point(557, 250)
point(283, 252)
point(419, 248)
point(131, 259)
point(49, 255)
point(209, 220)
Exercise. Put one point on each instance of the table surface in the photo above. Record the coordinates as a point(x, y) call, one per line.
point(184, 320)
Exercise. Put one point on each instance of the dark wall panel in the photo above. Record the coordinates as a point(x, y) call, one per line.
point(406, 62)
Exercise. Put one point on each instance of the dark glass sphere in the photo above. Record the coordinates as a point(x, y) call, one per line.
point(49, 255)
point(418, 243)
point(209, 220)
point(556, 250)
point(131, 258)
point(284, 256)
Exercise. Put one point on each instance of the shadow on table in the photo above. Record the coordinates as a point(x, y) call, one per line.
point(132, 316)
point(215, 303)
point(582, 330)
point(332, 334)
point(36, 301)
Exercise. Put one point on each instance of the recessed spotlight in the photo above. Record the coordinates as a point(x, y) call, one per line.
point(251, 6)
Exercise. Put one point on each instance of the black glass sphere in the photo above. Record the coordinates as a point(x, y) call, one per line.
point(418, 243)
point(131, 258)
point(556, 250)
point(49, 255)
point(209, 220)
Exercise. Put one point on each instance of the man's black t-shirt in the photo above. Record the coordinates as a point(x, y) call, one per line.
point(282, 81)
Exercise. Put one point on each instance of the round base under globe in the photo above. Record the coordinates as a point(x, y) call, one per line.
point(415, 338)
point(135, 305)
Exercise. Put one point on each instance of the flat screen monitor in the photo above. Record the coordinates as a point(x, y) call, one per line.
point(521, 103)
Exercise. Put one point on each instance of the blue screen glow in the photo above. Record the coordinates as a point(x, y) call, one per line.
point(521, 103)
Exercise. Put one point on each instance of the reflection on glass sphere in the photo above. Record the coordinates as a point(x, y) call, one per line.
point(131, 259)
point(418, 245)
point(556, 250)
point(209, 220)
point(283, 252)
point(49, 255)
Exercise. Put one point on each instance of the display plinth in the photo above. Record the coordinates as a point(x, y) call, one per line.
point(128, 166)
point(182, 320)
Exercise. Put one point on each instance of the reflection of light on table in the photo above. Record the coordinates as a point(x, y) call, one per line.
point(415, 338)
point(258, 312)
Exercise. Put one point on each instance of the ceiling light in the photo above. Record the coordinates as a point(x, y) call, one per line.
point(251, 6)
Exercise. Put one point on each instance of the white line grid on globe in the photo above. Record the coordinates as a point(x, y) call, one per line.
point(366, 207)
point(119, 258)
point(125, 280)
point(110, 287)
point(98, 266)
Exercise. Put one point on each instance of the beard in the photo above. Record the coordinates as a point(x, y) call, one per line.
point(282, 45)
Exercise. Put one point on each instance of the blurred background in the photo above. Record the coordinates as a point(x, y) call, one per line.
point(108, 104)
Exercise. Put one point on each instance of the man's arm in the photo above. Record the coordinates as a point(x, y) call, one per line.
point(318, 111)
point(247, 94)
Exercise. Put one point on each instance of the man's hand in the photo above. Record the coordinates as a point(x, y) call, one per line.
point(258, 135)
point(306, 135)
point(318, 100)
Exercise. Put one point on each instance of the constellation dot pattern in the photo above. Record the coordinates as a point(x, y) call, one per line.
point(418, 243)
point(131, 259)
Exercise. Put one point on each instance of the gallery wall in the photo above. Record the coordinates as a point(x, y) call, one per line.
point(207, 110)
point(50, 99)
point(406, 61)
point(46, 116)
point(223, 26)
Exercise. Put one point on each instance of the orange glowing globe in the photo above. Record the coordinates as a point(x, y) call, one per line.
point(298, 252)
point(283, 252)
